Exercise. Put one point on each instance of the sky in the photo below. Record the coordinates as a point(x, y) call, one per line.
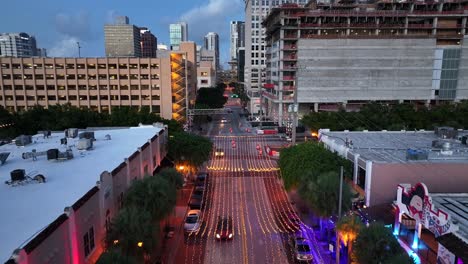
point(58, 25)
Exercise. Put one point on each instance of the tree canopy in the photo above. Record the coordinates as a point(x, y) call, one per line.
point(377, 116)
point(322, 193)
point(376, 244)
point(309, 159)
point(60, 117)
point(211, 97)
point(189, 148)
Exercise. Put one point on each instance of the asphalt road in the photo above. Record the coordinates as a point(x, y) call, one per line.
point(244, 185)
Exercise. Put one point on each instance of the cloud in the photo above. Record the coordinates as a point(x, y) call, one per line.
point(66, 47)
point(211, 17)
point(74, 25)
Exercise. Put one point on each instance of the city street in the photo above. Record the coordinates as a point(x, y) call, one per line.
point(244, 185)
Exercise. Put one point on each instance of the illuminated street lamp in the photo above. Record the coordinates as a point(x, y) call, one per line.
point(140, 244)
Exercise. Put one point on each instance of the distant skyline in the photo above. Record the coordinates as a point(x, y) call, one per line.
point(58, 25)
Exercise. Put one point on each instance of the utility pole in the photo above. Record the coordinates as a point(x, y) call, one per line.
point(337, 250)
point(295, 109)
point(79, 49)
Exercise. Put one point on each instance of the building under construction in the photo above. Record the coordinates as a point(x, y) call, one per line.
point(347, 53)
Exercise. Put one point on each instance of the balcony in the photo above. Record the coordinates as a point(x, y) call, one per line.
point(289, 88)
point(288, 78)
point(290, 58)
point(290, 36)
point(289, 47)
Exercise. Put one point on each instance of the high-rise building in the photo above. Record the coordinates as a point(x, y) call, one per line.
point(19, 45)
point(255, 12)
point(322, 62)
point(237, 38)
point(212, 43)
point(149, 43)
point(122, 39)
point(240, 64)
point(178, 32)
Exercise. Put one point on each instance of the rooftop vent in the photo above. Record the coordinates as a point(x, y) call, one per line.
point(23, 140)
point(18, 175)
point(71, 133)
point(4, 157)
point(84, 144)
point(446, 132)
point(87, 135)
point(416, 154)
point(45, 133)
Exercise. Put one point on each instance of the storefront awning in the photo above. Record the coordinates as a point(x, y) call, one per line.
point(455, 245)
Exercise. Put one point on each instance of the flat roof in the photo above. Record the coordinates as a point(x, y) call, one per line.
point(456, 204)
point(391, 146)
point(27, 209)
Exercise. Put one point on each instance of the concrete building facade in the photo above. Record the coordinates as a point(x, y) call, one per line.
point(178, 32)
point(255, 63)
point(19, 45)
point(205, 75)
point(211, 42)
point(345, 57)
point(122, 39)
point(237, 39)
point(149, 43)
point(162, 84)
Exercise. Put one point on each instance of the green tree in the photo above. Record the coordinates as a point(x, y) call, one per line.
point(376, 244)
point(172, 176)
point(129, 228)
point(114, 256)
point(152, 194)
point(308, 159)
point(213, 97)
point(348, 228)
point(190, 149)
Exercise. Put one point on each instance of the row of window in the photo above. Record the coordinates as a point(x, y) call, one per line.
point(79, 97)
point(78, 66)
point(81, 76)
point(154, 109)
point(258, 62)
point(81, 87)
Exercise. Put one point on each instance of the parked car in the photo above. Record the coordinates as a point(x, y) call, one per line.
point(198, 192)
point(302, 251)
point(192, 221)
point(224, 228)
point(293, 219)
point(195, 204)
point(219, 153)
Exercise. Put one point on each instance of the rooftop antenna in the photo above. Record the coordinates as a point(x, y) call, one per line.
point(79, 49)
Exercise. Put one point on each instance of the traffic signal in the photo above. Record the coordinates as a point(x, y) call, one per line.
point(234, 96)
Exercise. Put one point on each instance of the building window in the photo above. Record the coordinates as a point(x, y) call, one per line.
point(124, 97)
point(133, 66)
point(204, 73)
point(155, 87)
point(112, 66)
point(154, 77)
point(204, 81)
point(155, 97)
point(101, 66)
point(122, 66)
point(135, 97)
point(88, 241)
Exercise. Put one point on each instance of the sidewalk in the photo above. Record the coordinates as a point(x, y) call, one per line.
point(170, 243)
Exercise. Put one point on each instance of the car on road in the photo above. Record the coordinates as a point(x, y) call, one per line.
point(198, 192)
point(224, 120)
point(192, 221)
point(195, 204)
point(219, 153)
point(302, 251)
point(224, 229)
point(201, 179)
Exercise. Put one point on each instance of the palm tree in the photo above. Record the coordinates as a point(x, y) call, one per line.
point(376, 244)
point(322, 195)
point(348, 229)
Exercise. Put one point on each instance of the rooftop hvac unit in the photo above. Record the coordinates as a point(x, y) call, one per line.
point(63, 141)
point(4, 157)
point(84, 144)
point(446, 132)
point(52, 154)
point(71, 133)
point(464, 139)
point(87, 135)
point(416, 154)
point(442, 144)
point(23, 140)
point(45, 133)
point(18, 175)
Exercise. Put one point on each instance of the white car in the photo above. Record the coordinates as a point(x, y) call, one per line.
point(192, 221)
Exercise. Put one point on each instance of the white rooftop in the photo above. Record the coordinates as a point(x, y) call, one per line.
point(456, 204)
point(27, 209)
point(391, 146)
